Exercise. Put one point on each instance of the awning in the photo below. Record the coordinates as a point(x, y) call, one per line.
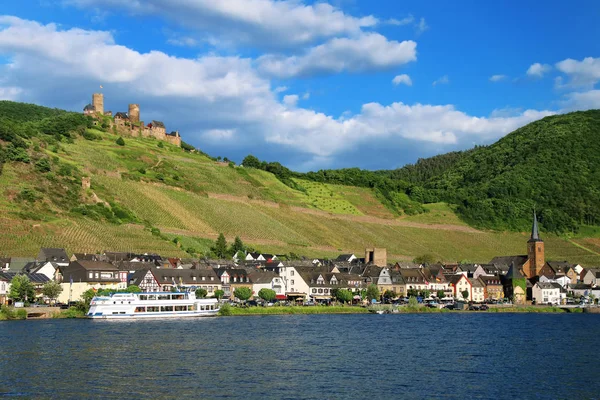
point(292, 294)
point(316, 297)
point(280, 297)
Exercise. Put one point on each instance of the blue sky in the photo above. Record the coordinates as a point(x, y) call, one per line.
point(372, 84)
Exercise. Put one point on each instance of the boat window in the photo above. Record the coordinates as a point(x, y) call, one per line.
point(153, 309)
point(164, 297)
point(180, 308)
point(143, 297)
point(166, 308)
point(140, 309)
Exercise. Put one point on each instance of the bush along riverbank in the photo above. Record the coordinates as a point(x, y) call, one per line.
point(228, 310)
point(7, 313)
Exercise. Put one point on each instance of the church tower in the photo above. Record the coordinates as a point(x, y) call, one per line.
point(535, 251)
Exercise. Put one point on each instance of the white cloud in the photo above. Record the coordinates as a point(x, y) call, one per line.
point(442, 81)
point(306, 96)
point(369, 51)
point(404, 79)
point(581, 73)
point(280, 89)
point(290, 100)
point(421, 26)
point(284, 23)
point(10, 93)
point(538, 70)
point(582, 100)
point(497, 78)
point(184, 41)
point(211, 99)
point(218, 135)
point(400, 22)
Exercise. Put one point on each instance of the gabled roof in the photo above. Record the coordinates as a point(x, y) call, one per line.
point(454, 279)
point(547, 285)
point(262, 276)
point(476, 282)
point(514, 272)
point(504, 261)
point(344, 257)
point(490, 280)
point(33, 277)
point(53, 254)
point(89, 107)
point(93, 265)
point(137, 278)
point(122, 115)
point(89, 257)
point(158, 124)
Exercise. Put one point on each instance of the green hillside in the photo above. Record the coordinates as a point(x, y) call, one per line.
point(151, 196)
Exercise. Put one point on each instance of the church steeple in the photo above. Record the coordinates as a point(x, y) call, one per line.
point(535, 252)
point(535, 235)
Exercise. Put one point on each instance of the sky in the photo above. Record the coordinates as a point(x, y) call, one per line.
point(311, 84)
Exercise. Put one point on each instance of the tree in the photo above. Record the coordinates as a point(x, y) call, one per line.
point(372, 292)
point(413, 302)
point(440, 294)
point(219, 294)
point(425, 259)
point(52, 290)
point(133, 289)
point(267, 295)
point(220, 247)
point(201, 293)
point(243, 293)
point(21, 289)
point(237, 245)
point(425, 293)
point(465, 294)
point(344, 295)
point(120, 141)
point(412, 292)
point(251, 162)
point(389, 294)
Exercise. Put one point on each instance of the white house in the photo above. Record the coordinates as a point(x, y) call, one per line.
point(459, 284)
point(268, 280)
point(563, 280)
point(294, 284)
point(547, 293)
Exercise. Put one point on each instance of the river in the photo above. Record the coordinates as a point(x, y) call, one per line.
point(408, 356)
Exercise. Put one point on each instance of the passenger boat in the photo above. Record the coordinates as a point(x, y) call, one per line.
point(151, 305)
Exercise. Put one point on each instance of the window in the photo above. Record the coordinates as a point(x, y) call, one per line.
point(91, 275)
point(203, 278)
point(292, 282)
point(292, 273)
point(212, 278)
point(314, 290)
point(193, 278)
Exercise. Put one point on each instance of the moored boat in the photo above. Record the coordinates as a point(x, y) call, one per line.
point(151, 305)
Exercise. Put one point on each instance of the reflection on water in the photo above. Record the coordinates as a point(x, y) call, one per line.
point(311, 356)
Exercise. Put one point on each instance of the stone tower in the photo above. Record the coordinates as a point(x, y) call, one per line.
point(377, 256)
point(535, 251)
point(134, 113)
point(98, 102)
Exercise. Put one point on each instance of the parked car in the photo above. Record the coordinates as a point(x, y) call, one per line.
point(474, 307)
point(484, 307)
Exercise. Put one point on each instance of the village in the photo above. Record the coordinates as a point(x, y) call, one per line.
point(520, 279)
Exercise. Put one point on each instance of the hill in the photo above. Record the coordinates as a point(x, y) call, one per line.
point(147, 195)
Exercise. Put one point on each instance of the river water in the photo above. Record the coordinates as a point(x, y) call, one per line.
point(414, 356)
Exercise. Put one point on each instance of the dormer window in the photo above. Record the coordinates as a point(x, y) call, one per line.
point(203, 278)
point(194, 278)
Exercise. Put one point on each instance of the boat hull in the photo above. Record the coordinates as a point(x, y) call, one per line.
point(161, 315)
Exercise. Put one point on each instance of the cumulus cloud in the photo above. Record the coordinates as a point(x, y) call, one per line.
point(582, 100)
point(581, 73)
point(400, 22)
point(538, 70)
point(497, 78)
point(402, 79)
point(263, 23)
point(369, 51)
point(442, 81)
point(219, 102)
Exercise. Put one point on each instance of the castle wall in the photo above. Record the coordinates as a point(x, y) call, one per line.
point(176, 140)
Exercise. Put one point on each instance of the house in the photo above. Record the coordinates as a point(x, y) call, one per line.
point(547, 293)
point(436, 280)
point(18, 263)
point(515, 285)
point(493, 288)
point(38, 281)
point(345, 258)
point(590, 276)
point(414, 279)
point(4, 263)
point(564, 268)
point(459, 284)
point(296, 288)
point(145, 280)
point(80, 276)
point(562, 280)
point(262, 279)
point(477, 290)
point(46, 268)
point(192, 279)
point(322, 284)
point(58, 256)
point(88, 257)
point(231, 279)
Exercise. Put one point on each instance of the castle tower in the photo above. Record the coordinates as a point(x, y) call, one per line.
point(98, 102)
point(134, 113)
point(535, 251)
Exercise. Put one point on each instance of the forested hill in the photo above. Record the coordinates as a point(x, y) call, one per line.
point(552, 165)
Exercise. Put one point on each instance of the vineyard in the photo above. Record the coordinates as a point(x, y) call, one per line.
point(193, 198)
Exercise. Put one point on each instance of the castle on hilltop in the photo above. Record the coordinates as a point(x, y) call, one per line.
point(128, 123)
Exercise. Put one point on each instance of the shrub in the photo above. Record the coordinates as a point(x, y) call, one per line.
point(42, 165)
point(225, 310)
point(120, 141)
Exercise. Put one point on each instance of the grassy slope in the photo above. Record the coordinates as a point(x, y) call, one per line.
point(196, 198)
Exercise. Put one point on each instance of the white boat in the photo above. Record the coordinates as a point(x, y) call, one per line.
point(151, 305)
